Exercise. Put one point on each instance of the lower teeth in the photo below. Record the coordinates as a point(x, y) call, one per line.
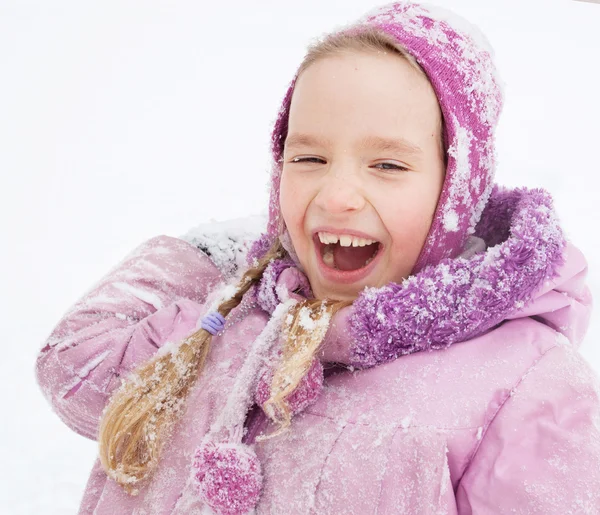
point(328, 259)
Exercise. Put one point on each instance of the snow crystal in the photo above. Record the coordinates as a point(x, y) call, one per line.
point(227, 242)
point(143, 295)
point(405, 421)
point(102, 298)
point(379, 440)
point(460, 24)
point(460, 149)
point(83, 372)
point(557, 462)
point(445, 473)
point(482, 200)
point(181, 365)
point(224, 364)
point(282, 292)
point(268, 291)
point(305, 320)
point(167, 348)
point(451, 220)
point(479, 433)
point(492, 254)
point(224, 294)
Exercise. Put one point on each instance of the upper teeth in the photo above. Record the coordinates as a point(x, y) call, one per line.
point(345, 240)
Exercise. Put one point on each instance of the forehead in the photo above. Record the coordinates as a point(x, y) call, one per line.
point(372, 100)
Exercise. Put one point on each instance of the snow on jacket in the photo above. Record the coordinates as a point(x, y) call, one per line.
point(507, 421)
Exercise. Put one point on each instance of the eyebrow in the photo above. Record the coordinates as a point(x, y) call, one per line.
point(375, 142)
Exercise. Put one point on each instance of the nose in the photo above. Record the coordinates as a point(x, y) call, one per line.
point(339, 193)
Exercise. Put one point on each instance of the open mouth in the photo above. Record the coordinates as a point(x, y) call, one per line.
point(347, 257)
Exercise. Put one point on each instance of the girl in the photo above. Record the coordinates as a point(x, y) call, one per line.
point(403, 340)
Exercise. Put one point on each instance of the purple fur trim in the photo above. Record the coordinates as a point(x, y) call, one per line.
point(266, 296)
point(462, 298)
point(258, 249)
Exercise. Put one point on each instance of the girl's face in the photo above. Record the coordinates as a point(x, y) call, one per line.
point(363, 159)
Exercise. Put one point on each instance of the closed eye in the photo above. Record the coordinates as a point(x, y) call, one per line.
point(303, 159)
point(395, 167)
point(313, 159)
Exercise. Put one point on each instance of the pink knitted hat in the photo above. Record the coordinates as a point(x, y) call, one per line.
point(458, 61)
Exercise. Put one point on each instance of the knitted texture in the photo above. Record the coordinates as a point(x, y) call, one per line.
point(228, 477)
point(267, 295)
point(458, 62)
point(303, 396)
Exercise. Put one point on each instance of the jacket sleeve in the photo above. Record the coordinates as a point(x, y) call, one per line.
point(541, 452)
point(153, 296)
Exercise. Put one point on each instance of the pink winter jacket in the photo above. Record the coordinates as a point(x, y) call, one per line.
point(507, 422)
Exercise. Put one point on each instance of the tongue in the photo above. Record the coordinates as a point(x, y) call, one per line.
point(351, 258)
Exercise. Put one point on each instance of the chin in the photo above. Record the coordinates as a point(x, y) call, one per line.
point(337, 293)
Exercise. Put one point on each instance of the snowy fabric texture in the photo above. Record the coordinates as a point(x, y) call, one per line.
point(225, 471)
point(269, 296)
point(507, 422)
point(458, 61)
point(226, 242)
point(227, 477)
point(455, 293)
point(459, 298)
point(501, 423)
point(303, 396)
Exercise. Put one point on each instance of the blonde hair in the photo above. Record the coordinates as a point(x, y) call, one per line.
point(143, 410)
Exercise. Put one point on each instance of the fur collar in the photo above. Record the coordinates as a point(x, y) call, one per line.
point(458, 298)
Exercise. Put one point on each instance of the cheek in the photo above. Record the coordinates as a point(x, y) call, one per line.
point(291, 202)
point(408, 219)
point(285, 197)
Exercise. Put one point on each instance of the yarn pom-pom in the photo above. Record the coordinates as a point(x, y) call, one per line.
point(228, 476)
point(304, 395)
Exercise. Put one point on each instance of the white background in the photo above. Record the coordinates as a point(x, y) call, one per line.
point(122, 120)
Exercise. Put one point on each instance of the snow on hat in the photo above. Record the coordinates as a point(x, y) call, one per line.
point(458, 61)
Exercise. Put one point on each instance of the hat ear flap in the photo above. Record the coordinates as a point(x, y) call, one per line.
point(286, 243)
